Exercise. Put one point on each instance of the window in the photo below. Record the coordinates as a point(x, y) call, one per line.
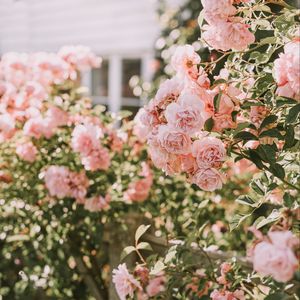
point(100, 80)
point(130, 68)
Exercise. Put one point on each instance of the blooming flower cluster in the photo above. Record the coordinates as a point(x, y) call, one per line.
point(143, 285)
point(274, 255)
point(225, 30)
point(174, 123)
point(287, 70)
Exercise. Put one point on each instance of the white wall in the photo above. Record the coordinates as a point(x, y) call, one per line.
point(107, 26)
point(114, 29)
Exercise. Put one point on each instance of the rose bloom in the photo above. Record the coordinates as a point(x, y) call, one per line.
point(222, 122)
point(208, 179)
point(97, 203)
point(139, 190)
point(158, 155)
point(275, 257)
point(275, 196)
point(216, 10)
point(227, 295)
point(186, 114)
point(226, 35)
point(185, 60)
point(56, 116)
point(209, 152)
point(38, 127)
point(57, 180)
point(124, 282)
point(97, 159)
point(287, 70)
point(139, 129)
point(80, 57)
point(79, 184)
point(150, 116)
point(188, 163)
point(174, 141)
point(85, 138)
point(168, 92)
point(27, 151)
point(257, 114)
point(156, 286)
point(7, 124)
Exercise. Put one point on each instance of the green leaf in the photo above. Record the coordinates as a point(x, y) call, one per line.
point(268, 120)
point(293, 114)
point(246, 200)
point(246, 136)
point(201, 18)
point(237, 220)
point(255, 158)
point(257, 187)
point(126, 251)
point(144, 246)
point(271, 133)
point(217, 100)
point(280, 101)
point(158, 267)
point(266, 153)
point(209, 124)
point(140, 231)
point(274, 216)
point(289, 139)
point(277, 170)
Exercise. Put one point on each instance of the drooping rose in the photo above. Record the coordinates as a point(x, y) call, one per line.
point(208, 179)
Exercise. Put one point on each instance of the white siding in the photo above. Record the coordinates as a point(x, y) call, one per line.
point(107, 26)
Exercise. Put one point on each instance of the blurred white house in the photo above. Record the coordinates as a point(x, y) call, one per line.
point(122, 32)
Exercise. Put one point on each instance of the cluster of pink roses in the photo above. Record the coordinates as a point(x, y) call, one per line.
point(139, 189)
point(86, 141)
point(143, 285)
point(26, 81)
point(173, 122)
point(62, 183)
point(224, 30)
point(274, 255)
point(287, 70)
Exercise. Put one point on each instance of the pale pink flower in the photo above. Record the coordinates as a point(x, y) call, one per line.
point(27, 151)
point(79, 57)
point(226, 35)
point(79, 184)
point(186, 114)
point(138, 191)
point(208, 179)
point(7, 123)
point(158, 155)
point(275, 196)
point(38, 127)
point(56, 116)
point(156, 286)
point(85, 138)
point(149, 116)
point(97, 203)
point(209, 152)
point(57, 180)
point(139, 129)
point(227, 295)
point(257, 114)
point(124, 282)
point(174, 141)
point(97, 159)
point(287, 69)
point(275, 257)
point(185, 60)
point(188, 163)
point(216, 10)
point(222, 122)
point(168, 92)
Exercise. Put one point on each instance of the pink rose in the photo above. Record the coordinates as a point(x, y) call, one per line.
point(139, 129)
point(275, 196)
point(56, 116)
point(85, 138)
point(97, 159)
point(38, 127)
point(208, 179)
point(168, 92)
point(185, 61)
point(226, 35)
point(186, 114)
point(227, 295)
point(79, 184)
point(222, 122)
point(209, 152)
point(124, 282)
point(257, 114)
point(97, 203)
point(7, 124)
point(275, 257)
point(287, 69)
point(57, 180)
point(156, 286)
point(216, 10)
point(188, 163)
point(174, 141)
point(27, 151)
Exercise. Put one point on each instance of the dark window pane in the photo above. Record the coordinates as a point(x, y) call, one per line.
point(100, 80)
point(130, 68)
